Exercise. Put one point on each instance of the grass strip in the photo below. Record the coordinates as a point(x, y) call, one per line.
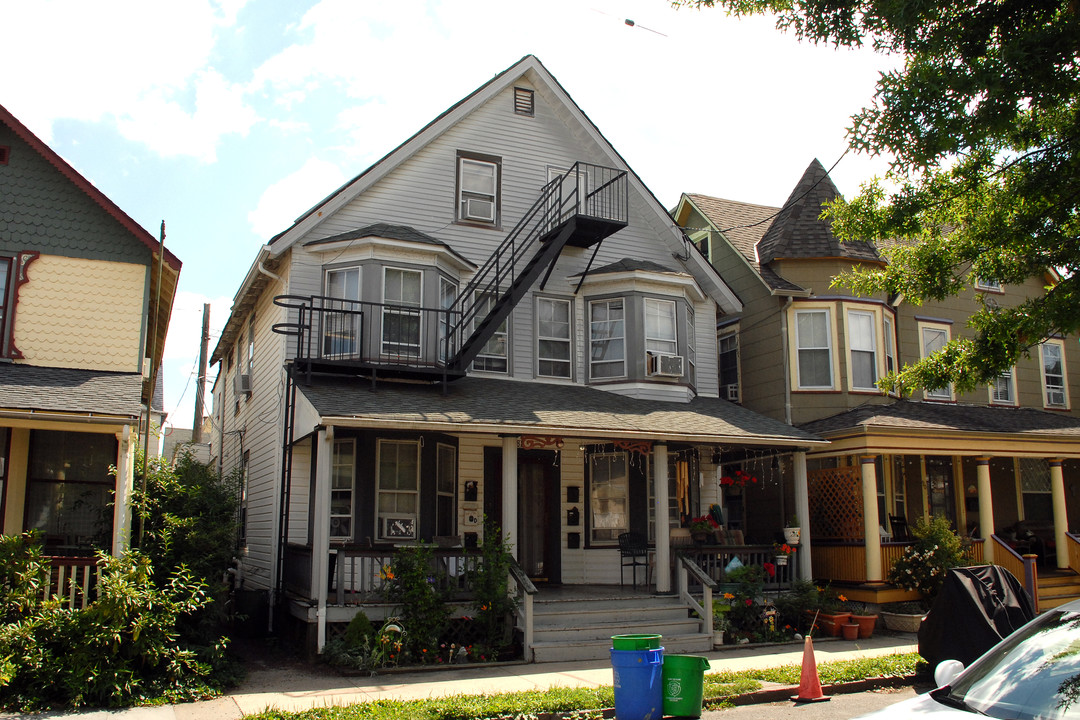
point(582, 703)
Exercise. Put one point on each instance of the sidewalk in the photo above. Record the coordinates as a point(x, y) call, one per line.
point(300, 687)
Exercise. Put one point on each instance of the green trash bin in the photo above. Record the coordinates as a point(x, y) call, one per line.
point(683, 678)
point(635, 642)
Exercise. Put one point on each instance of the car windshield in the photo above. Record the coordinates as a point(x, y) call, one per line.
point(1031, 675)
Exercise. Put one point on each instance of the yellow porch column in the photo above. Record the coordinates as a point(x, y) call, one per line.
point(986, 506)
point(125, 475)
point(15, 503)
point(871, 521)
point(1061, 516)
point(510, 492)
point(662, 575)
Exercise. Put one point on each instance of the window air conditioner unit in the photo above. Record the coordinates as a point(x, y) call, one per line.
point(732, 392)
point(476, 209)
point(242, 383)
point(1055, 397)
point(665, 365)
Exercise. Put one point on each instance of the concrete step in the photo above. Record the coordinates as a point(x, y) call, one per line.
point(600, 649)
point(604, 630)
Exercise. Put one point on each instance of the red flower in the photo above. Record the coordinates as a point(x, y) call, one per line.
point(769, 568)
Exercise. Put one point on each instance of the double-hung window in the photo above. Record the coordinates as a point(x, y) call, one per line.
point(553, 337)
point(609, 496)
point(813, 343)
point(401, 312)
point(1053, 374)
point(447, 296)
point(935, 337)
point(342, 489)
point(862, 343)
point(6, 306)
point(1002, 391)
point(341, 313)
point(446, 490)
point(660, 335)
point(398, 489)
point(890, 345)
point(691, 346)
point(493, 356)
point(607, 339)
point(729, 366)
point(478, 190)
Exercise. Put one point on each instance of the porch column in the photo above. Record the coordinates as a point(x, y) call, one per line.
point(871, 521)
point(125, 474)
point(662, 573)
point(802, 509)
point(510, 492)
point(986, 506)
point(1061, 516)
point(320, 514)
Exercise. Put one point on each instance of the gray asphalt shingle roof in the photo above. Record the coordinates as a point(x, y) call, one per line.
point(958, 417)
point(547, 407)
point(45, 389)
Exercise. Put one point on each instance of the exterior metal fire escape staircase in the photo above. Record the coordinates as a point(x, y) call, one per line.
point(580, 209)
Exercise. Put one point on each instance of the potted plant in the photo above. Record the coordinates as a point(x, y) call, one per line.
point(701, 529)
point(783, 551)
point(863, 615)
point(830, 613)
point(903, 616)
point(793, 532)
point(721, 612)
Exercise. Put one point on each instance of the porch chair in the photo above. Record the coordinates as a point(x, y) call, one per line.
point(899, 528)
point(634, 552)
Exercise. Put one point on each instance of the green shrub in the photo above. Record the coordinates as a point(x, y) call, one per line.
point(417, 585)
point(493, 606)
point(121, 649)
point(923, 566)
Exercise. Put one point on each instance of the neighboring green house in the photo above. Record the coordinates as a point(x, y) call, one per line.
point(999, 459)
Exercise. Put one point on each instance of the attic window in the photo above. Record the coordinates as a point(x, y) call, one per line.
point(5, 153)
point(523, 101)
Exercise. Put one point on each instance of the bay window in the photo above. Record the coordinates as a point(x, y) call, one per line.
point(862, 344)
point(400, 321)
point(813, 343)
point(553, 350)
point(607, 339)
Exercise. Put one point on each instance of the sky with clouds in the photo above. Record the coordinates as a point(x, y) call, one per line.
point(227, 119)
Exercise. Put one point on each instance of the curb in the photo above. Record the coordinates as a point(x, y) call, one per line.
point(783, 693)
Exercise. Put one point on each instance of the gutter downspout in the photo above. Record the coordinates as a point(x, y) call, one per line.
point(787, 359)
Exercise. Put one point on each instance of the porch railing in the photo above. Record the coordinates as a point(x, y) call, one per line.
point(523, 590)
point(72, 580)
point(685, 567)
point(1072, 542)
point(713, 561)
point(1021, 566)
point(846, 562)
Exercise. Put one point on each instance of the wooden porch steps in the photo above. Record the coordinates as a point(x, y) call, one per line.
point(1057, 587)
point(566, 627)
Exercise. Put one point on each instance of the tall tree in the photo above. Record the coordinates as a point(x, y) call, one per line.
point(982, 126)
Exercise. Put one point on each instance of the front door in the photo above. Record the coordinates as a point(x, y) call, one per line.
point(939, 487)
point(538, 530)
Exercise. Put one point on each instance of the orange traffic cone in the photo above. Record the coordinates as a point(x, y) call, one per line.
point(809, 682)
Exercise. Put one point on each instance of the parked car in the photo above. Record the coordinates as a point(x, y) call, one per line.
point(1034, 673)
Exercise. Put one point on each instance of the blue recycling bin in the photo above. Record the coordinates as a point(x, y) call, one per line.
point(639, 686)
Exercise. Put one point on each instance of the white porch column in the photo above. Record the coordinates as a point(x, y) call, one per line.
point(125, 478)
point(871, 521)
point(510, 492)
point(802, 509)
point(1061, 516)
point(986, 506)
point(662, 573)
point(320, 514)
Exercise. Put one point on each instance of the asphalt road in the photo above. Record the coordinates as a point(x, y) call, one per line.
point(839, 707)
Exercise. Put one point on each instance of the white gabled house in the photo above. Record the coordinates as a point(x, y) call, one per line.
point(497, 318)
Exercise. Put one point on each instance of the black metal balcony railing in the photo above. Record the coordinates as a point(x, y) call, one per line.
point(580, 208)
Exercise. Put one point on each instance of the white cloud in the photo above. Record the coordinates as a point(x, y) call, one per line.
point(288, 198)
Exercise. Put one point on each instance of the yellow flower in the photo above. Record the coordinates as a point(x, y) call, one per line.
point(729, 596)
point(841, 598)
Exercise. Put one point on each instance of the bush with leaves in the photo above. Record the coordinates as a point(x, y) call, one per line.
point(923, 566)
point(492, 603)
point(417, 585)
point(121, 649)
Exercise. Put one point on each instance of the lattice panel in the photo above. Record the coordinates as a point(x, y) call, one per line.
point(836, 511)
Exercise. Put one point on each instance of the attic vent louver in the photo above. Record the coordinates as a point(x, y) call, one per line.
point(523, 101)
point(5, 153)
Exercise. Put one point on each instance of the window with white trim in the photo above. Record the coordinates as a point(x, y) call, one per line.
point(341, 316)
point(609, 496)
point(660, 333)
point(249, 355)
point(862, 344)
point(1036, 490)
point(1052, 353)
point(607, 339)
point(446, 490)
point(342, 489)
point(991, 284)
point(729, 366)
point(493, 356)
point(813, 343)
point(397, 489)
point(402, 293)
point(6, 306)
point(478, 190)
point(935, 337)
point(1003, 392)
point(448, 291)
point(691, 346)
point(553, 352)
point(890, 345)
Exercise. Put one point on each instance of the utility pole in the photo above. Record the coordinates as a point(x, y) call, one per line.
point(200, 387)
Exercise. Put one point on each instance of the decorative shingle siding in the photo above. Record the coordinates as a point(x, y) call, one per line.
point(78, 313)
point(40, 209)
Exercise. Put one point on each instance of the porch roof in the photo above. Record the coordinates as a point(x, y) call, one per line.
point(474, 404)
point(916, 427)
point(26, 389)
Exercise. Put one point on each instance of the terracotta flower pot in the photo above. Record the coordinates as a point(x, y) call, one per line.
point(830, 623)
point(866, 624)
point(850, 630)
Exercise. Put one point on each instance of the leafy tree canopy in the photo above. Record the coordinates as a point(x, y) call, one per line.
point(982, 128)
